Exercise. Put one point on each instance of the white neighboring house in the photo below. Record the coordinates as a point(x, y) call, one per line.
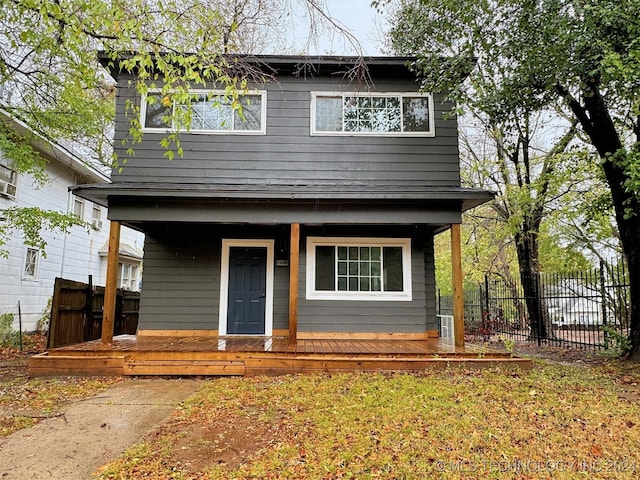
point(27, 276)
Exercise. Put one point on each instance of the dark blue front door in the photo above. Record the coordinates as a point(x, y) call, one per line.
point(247, 290)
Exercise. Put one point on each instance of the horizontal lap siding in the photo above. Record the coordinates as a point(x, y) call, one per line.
point(288, 154)
point(415, 316)
point(181, 286)
point(181, 283)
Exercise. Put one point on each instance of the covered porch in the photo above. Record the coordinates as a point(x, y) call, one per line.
point(220, 355)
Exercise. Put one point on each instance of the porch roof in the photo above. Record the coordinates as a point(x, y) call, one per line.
point(467, 197)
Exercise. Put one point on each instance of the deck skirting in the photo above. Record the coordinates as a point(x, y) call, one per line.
point(182, 356)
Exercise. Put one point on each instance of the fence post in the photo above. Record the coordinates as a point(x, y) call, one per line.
point(88, 314)
point(486, 292)
point(603, 304)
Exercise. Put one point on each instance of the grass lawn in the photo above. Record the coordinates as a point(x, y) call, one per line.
point(555, 421)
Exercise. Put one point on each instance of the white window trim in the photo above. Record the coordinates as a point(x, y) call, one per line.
point(36, 274)
point(404, 296)
point(96, 220)
point(263, 115)
point(83, 205)
point(5, 186)
point(314, 132)
point(224, 282)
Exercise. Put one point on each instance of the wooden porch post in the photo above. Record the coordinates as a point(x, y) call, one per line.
point(458, 299)
point(110, 290)
point(294, 264)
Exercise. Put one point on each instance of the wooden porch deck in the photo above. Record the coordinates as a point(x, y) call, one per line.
point(161, 355)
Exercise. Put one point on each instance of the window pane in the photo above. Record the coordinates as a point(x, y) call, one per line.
point(342, 284)
point(251, 118)
point(342, 268)
point(342, 253)
point(353, 284)
point(157, 114)
point(31, 263)
point(392, 260)
point(325, 268)
point(375, 269)
point(416, 114)
point(329, 114)
point(364, 284)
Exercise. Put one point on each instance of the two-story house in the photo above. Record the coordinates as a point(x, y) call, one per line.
point(311, 217)
point(27, 274)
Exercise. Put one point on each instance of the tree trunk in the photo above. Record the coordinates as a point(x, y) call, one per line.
point(539, 318)
point(596, 121)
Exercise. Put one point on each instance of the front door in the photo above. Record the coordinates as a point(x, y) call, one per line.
point(247, 290)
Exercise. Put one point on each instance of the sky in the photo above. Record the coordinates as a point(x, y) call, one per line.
point(362, 21)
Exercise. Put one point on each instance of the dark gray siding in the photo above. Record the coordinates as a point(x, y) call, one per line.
point(288, 154)
point(415, 316)
point(181, 285)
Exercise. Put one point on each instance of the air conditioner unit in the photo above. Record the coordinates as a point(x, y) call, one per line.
point(97, 224)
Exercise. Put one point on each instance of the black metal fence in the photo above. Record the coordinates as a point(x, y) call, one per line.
point(588, 309)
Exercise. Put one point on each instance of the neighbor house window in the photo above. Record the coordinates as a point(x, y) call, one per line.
point(372, 114)
point(31, 262)
point(78, 207)
point(206, 112)
point(359, 268)
point(128, 276)
point(8, 179)
point(96, 219)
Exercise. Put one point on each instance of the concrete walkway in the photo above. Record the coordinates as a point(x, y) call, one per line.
point(91, 432)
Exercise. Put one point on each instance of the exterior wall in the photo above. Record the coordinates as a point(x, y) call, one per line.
point(182, 269)
point(74, 256)
point(415, 316)
point(288, 154)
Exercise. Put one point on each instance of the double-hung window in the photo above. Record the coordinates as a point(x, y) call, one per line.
point(8, 179)
point(206, 112)
point(359, 268)
point(404, 114)
point(31, 264)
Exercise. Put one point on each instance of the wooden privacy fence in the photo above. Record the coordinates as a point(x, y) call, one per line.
point(76, 312)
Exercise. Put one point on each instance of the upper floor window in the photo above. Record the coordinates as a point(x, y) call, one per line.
point(78, 207)
point(96, 217)
point(8, 179)
point(409, 114)
point(206, 112)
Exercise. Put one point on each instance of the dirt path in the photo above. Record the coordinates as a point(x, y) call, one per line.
point(88, 433)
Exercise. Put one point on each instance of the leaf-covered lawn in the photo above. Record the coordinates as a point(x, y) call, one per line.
point(551, 422)
point(24, 402)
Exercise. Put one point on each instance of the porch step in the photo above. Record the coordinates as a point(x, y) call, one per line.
point(182, 367)
point(46, 365)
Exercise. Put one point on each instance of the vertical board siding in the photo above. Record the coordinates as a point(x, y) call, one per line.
point(288, 154)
